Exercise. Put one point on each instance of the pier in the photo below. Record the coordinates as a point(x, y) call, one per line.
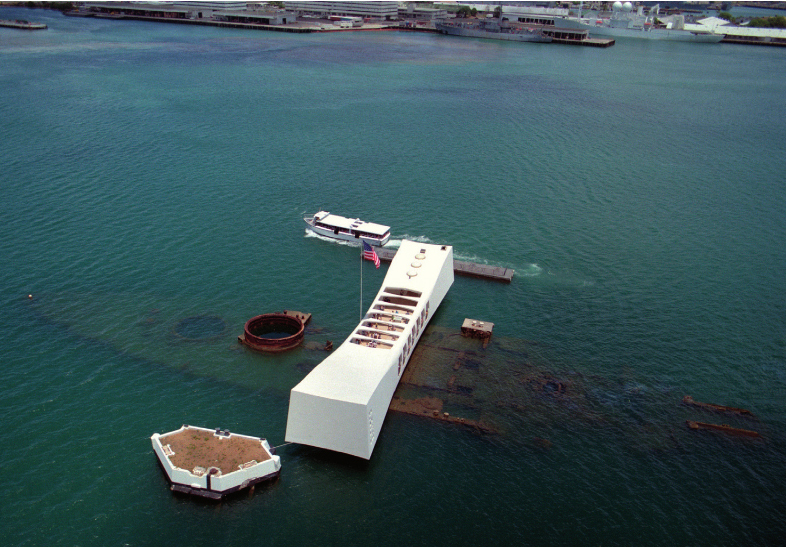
point(575, 37)
point(267, 21)
point(755, 40)
point(471, 269)
point(588, 42)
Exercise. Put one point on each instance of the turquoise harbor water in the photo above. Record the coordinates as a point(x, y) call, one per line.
point(152, 173)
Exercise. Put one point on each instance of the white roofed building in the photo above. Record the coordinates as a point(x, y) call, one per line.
point(742, 34)
point(373, 10)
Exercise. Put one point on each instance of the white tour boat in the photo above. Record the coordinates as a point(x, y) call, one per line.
point(348, 229)
point(342, 403)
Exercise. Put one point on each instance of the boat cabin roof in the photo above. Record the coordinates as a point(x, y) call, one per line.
point(351, 223)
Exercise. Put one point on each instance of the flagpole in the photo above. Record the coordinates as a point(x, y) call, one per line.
point(361, 281)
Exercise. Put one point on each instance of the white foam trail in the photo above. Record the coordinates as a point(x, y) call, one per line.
point(396, 243)
point(533, 270)
point(469, 258)
point(344, 242)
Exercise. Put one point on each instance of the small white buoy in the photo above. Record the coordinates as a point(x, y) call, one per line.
point(30, 296)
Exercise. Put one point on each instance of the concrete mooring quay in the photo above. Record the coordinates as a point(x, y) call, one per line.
point(483, 271)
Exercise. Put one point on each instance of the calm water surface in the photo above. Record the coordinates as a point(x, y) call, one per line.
point(154, 173)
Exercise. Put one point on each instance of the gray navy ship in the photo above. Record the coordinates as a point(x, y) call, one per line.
point(494, 30)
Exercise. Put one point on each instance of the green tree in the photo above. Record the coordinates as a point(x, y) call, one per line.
point(466, 11)
point(779, 21)
point(726, 15)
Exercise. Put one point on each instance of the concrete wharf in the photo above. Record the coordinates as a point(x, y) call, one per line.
point(574, 37)
point(588, 42)
point(559, 36)
point(471, 269)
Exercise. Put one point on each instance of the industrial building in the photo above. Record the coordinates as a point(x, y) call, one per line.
point(367, 10)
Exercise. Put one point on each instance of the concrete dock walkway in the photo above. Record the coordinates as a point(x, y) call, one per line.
point(472, 269)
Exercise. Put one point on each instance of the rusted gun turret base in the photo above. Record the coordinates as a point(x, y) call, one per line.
point(291, 322)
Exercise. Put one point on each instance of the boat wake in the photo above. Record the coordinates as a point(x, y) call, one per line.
point(391, 244)
point(529, 270)
point(532, 270)
point(396, 243)
point(344, 242)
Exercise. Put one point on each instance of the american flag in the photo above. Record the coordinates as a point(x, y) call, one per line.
point(370, 254)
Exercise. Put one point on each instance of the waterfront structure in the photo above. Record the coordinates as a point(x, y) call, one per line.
point(256, 17)
point(744, 35)
point(152, 9)
point(532, 18)
point(212, 464)
point(528, 10)
point(213, 6)
point(371, 10)
point(183, 5)
point(342, 403)
point(460, 267)
point(231, 12)
point(422, 15)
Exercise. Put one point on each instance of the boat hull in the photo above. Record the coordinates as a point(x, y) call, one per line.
point(530, 35)
point(342, 236)
point(641, 33)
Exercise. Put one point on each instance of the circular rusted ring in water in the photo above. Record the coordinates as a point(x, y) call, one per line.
point(285, 322)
